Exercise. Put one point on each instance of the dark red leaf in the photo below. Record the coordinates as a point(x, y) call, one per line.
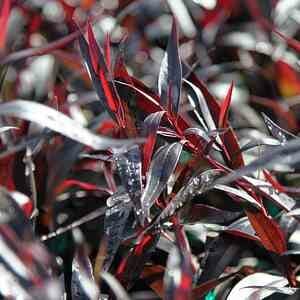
point(100, 68)
point(132, 265)
point(268, 231)
point(229, 138)
point(4, 16)
point(223, 118)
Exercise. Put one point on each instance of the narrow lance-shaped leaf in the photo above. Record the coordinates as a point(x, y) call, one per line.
point(242, 290)
point(288, 154)
point(170, 75)
point(107, 52)
point(229, 139)
point(178, 277)
point(4, 16)
point(279, 133)
point(115, 286)
point(84, 49)
point(132, 265)
point(101, 77)
point(268, 231)
point(266, 189)
point(201, 105)
point(83, 285)
point(209, 214)
point(195, 186)
point(104, 74)
point(243, 228)
point(56, 121)
point(161, 168)
point(220, 253)
point(223, 118)
point(116, 215)
point(246, 199)
point(150, 127)
point(208, 138)
point(129, 166)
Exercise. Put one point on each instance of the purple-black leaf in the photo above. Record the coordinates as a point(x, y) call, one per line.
point(219, 254)
point(83, 285)
point(240, 195)
point(287, 154)
point(84, 49)
point(129, 166)
point(266, 189)
point(277, 132)
point(116, 215)
point(209, 214)
point(161, 168)
point(170, 75)
point(195, 186)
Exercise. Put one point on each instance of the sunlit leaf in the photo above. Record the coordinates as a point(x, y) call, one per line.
point(280, 134)
point(116, 215)
point(56, 121)
point(83, 284)
point(242, 290)
point(161, 168)
point(170, 75)
point(129, 166)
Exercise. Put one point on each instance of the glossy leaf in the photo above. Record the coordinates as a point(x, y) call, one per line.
point(177, 287)
point(220, 252)
point(129, 166)
point(268, 231)
point(201, 105)
point(195, 186)
point(116, 215)
point(223, 118)
point(280, 134)
point(83, 284)
point(170, 75)
point(56, 121)
point(243, 291)
point(101, 76)
point(243, 228)
point(151, 124)
point(240, 194)
point(161, 168)
point(287, 154)
point(4, 17)
point(266, 189)
point(209, 214)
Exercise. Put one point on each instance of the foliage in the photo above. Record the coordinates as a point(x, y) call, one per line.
point(149, 149)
